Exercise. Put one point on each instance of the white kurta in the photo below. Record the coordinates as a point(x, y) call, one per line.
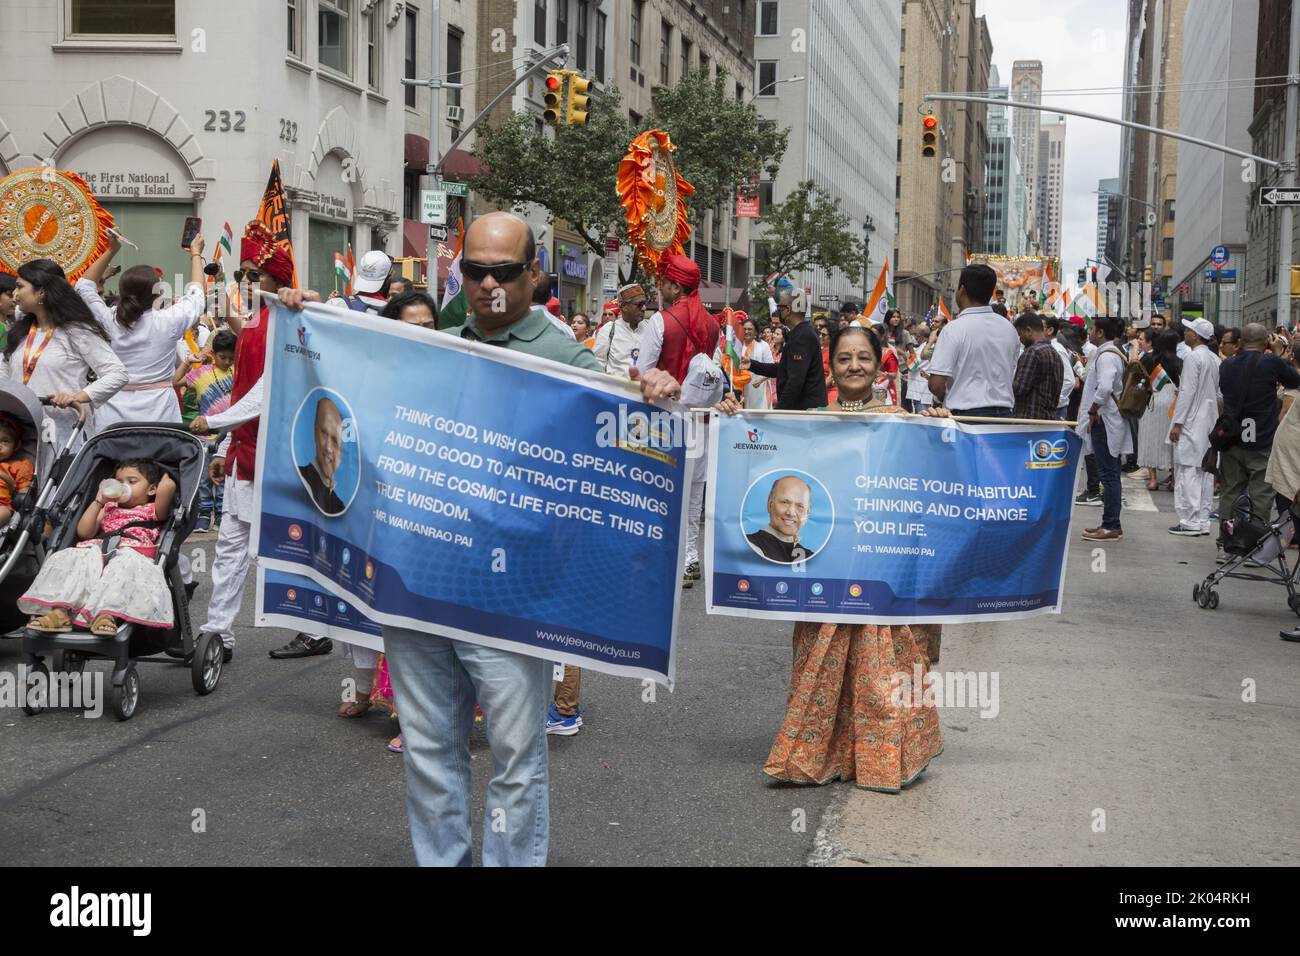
point(62, 367)
point(1102, 388)
point(148, 351)
point(616, 348)
point(756, 392)
point(1197, 406)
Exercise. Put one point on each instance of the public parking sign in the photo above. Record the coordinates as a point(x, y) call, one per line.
point(1219, 257)
point(433, 207)
point(1273, 196)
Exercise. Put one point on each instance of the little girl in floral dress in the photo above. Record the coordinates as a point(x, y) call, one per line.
point(79, 585)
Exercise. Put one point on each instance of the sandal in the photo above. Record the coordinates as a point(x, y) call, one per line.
point(104, 625)
point(56, 621)
point(395, 745)
point(354, 708)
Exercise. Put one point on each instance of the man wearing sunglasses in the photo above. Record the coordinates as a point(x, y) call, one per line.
point(437, 679)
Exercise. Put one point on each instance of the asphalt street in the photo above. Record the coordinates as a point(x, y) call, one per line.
point(1129, 703)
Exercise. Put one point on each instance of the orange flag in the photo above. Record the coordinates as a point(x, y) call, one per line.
point(274, 214)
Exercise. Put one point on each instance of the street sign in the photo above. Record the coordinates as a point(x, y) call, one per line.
point(1219, 257)
point(1226, 276)
point(433, 207)
point(456, 189)
point(1272, 196)
point(1184, 289)
point(438, 233)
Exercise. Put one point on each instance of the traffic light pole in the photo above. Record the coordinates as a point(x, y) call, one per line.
point(557, 55)
point(1286, 166)
point(1288, 170)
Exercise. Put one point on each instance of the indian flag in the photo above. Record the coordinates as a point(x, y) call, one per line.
point(913, 362)
point(342, 277)
point(455, 304)
point(1082, 307)
point(882, 296)
point(1159, 378)
point(351, 265)
point(943, 310)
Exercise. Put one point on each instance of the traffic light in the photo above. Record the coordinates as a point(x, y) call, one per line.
point(575, 113)
point(1295, 280)
point(1081, 274)
point(1094, 275)
point(929, 135)
point(1146, 273)
point(554, 97)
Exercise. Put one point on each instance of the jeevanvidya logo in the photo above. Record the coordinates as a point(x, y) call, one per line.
point(77, 909)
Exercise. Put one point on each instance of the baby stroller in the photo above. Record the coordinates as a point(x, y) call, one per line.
point(21, 540)
point(1250, 540)
point(182, 456)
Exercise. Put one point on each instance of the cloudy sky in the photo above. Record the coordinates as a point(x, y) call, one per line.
point(1081, 46)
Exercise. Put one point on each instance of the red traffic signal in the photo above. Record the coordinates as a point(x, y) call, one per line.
point(553, 99)
point(929, 138)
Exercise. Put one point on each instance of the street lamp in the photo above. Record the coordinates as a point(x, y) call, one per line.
point(868, 227)
point(731, 208)
point(1149, 245)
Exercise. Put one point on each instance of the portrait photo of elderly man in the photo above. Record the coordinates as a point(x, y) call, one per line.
point(318, 474)
point(788, 505)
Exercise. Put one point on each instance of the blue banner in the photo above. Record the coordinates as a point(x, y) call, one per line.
point(875, 518)
point(411, 478)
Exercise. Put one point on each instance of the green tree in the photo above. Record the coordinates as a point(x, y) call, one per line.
point(805, 229)
point(572, 176)
point(721, 141)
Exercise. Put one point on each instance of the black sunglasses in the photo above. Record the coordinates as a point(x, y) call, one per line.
point(502, 272)
point(252, 275)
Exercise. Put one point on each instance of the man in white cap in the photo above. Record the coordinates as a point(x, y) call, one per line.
point(371, 284)
point(1195, 413)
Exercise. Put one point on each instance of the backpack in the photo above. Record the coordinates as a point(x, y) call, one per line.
point(703, 385)
point(1135, 392)
point(1227, 430)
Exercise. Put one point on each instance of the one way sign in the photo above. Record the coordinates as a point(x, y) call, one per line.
point(1272, 196)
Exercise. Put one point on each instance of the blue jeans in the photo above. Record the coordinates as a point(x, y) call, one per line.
point(436, 681)
point(1108, 476)
point(210, 497)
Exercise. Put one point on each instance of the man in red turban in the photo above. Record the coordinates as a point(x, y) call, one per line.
point(262, 262)
point(671, 340)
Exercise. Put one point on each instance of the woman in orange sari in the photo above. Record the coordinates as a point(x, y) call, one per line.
point(842, 721)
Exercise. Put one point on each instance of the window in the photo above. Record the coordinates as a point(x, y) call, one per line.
point(374, 48)
point(767, 78)
point(454, 37)
point(1169, 212)
point(740, 16)
point(665, 44)
point(601, 29)
point(411, 25)
point(584, 11)
point(1168, 248)
point(765, 194)
point(634, 118)
point(686, 56)
point(140, 18)
point(704, 65)
point(740, 91)
point(561, 21)
point(638, 7)
point(332, 41)
point(539, 22)
point(767, 18)
point(294, 43)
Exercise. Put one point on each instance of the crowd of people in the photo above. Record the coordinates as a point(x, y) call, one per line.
point(1145, 401)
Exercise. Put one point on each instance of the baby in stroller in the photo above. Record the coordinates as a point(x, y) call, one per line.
point(15, 473)
point(110, 576)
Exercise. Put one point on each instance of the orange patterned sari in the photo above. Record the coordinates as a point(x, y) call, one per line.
point(841, 722)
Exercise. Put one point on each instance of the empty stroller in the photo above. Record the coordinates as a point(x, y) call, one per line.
point(21, 544)
point(181, 455)
point(1259, 544)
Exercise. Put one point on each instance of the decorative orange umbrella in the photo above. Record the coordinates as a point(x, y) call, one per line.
point(653, 194)
point(50, 214)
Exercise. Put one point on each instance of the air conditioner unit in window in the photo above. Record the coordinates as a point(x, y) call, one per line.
point(455, 114)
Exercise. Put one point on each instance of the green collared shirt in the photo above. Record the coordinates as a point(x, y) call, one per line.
point(534, 334)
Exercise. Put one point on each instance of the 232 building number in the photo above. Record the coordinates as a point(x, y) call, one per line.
point(288, 131)
point(240, 117)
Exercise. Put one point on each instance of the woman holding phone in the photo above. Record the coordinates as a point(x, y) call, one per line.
point(144, 332)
